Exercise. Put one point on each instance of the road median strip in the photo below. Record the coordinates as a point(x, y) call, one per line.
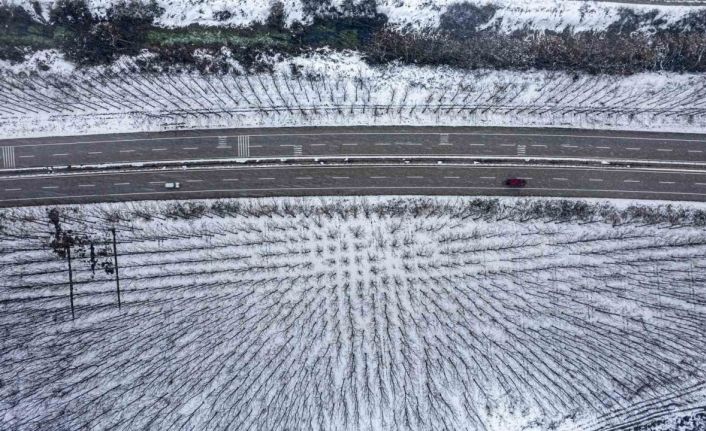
point(357, 160)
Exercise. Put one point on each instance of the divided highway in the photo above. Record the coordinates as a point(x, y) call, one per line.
point(359, 141)
point(369, 179)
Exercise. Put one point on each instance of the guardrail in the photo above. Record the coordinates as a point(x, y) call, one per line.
point(339, 160)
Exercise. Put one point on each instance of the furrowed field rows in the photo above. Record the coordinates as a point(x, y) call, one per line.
point(352, 314)
point(173, 100)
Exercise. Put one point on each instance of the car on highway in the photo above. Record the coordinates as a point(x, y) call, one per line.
point(515, 182)
point(173, 185)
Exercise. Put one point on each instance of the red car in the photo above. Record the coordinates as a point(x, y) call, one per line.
point(515, 182)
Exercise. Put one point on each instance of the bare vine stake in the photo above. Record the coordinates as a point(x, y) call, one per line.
point(71, 282)
point(115, 257)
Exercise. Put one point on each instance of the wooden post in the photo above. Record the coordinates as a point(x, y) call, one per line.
point(115, 258)
point(71, 281)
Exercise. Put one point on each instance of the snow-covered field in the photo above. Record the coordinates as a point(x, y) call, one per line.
point(352, 313)
point(409, 14)
point(340, 89)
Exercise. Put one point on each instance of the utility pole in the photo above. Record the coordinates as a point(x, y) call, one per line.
point(71, 281)
point(115, 258)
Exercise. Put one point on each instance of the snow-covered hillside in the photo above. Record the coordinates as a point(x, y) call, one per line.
point(412, 14)
point(354, 314)
point(340, 89)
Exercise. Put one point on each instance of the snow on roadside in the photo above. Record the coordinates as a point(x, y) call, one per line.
point(339, 88)
point(393, 313)
point(411, 14)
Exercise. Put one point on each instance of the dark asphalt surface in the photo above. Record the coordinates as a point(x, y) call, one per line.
point(369, 179)
point(316, 180)
point(360, 141)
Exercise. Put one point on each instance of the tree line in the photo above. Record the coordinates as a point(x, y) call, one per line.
point(468, 37)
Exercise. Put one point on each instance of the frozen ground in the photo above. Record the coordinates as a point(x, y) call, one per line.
point(412, 14)
point(340, 89)
point(351, 313)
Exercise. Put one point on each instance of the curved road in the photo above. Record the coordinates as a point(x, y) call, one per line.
point(353, 179)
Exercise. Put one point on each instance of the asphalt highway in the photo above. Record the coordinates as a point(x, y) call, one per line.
point(359, 141)
point(316, 180)
point(353, 179)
